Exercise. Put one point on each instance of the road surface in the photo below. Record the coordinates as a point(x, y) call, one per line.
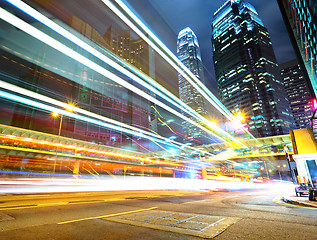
point(155, 215)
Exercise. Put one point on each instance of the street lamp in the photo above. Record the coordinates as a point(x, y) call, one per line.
point(71, 108)
point(55, 115)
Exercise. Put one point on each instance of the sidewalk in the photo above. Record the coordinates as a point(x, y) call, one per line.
point(303, 201)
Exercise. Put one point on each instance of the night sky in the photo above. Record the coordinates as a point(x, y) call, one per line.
point(167, 17)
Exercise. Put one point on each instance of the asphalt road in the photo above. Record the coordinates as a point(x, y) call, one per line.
point(155, 215)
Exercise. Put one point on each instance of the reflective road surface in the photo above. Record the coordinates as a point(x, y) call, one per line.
point(256, 214)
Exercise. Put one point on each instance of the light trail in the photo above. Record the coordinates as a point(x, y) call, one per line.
point(38, 16)
point(140, 145)
point(221, 108)
point(32, 12)
point(172, 154)
point(87, 151)
point(57, 28)
point(61, 154)
point(37, 96)
point(103, 155)
point(140, 126)
point(130, 183)
point(76, 116)
point(93, 169)
point(17, 22)
point(67, 165)
point(75, 142)
point(43, 98)
point(95, 175)
point(178, 133)
point(169, 126)
point(30, 85)
point(156, 111)
point(201, 88)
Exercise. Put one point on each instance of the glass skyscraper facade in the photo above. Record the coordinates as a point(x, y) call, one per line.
point(246, 69)
point(188, 52)
point(298, 93)
point(300, 17)
point(73, 92)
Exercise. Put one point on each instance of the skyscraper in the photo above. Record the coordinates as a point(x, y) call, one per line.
point(135, 51)
point(189, 54)
point(247, 73)
point(298, 93)
point(300, 17)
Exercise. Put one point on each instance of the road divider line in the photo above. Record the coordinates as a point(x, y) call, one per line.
point(109, 215)
point(16, 207)
point(51, 204)
point(87, 202)
point(33, 206)
point(114, 199)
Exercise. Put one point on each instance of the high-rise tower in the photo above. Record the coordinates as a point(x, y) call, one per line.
point(189, 54)
point(298, 93)
point(247, 73)
point(300, 17)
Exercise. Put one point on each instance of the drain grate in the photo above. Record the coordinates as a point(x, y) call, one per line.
point(204, 226)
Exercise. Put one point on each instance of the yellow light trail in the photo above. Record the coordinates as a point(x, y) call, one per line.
point(126, 157)
point(170, 127)
point(95, 175)
point(156, 111)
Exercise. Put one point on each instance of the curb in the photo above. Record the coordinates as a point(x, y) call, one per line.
point(299, 203)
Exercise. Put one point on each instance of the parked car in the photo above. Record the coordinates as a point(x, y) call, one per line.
point(302, 189)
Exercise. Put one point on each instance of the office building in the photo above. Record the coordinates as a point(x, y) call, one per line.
point(246, 69)
point(300, 17)
point(188, 52)
point(298, 93)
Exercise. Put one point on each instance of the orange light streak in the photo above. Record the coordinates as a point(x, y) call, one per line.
point(89, 151)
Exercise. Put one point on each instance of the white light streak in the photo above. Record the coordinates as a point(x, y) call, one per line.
point(76, 116)
point(38, 185)
point(8, 17)
point(212, 99)
point(200, 87)
point(57, 28)
point(40, 17)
